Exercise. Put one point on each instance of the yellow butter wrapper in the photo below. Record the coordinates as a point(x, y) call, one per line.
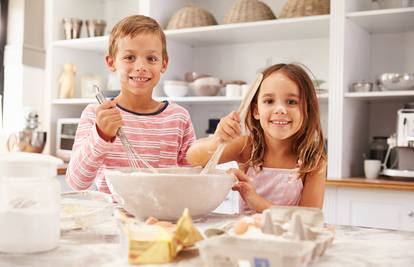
point(186, 234)
point(156, 244)
point(150, 244)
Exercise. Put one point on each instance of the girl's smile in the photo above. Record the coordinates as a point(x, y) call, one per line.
point(278, 107)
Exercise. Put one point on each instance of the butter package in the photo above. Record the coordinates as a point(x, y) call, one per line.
point(147, 244)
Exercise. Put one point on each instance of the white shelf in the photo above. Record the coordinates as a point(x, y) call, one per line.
point(98, 44)
point(385, 20)
point(261, 31)
point(380, 95)
point(185, 99)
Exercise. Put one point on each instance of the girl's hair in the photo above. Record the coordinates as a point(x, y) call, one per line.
point(132, 26)
point(308, 141)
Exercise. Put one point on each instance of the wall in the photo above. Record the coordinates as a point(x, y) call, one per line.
point(24, 61)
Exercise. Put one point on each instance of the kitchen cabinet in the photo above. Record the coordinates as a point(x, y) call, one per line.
point(388, 209)
point(351, 43)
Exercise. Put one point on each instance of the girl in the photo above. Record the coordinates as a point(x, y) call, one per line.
point(282, 162)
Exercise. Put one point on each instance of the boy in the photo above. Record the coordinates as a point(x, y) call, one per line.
point(160, 132)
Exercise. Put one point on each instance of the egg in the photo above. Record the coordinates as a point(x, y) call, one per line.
point(240, 227)
point(258, 220)
point(151, 220)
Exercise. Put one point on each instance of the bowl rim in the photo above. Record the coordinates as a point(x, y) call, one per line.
point(127, 171)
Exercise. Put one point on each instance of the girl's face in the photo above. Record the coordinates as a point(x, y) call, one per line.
point(138, 63)
point(279, 107)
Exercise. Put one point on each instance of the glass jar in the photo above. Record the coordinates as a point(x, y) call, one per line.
point(378, 148)
point(29, 203)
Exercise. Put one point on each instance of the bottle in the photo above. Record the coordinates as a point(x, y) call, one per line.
point(378, 148)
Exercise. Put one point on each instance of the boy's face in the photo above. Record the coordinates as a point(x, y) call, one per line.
point(138, 63)
point(279, 107)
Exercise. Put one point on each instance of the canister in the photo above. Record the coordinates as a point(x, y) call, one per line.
point(29, 202)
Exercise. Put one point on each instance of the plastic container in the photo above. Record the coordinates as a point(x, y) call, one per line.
point(29, 203)
point(81, 209)
point(378, 148)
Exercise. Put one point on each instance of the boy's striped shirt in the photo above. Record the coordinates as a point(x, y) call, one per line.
point(161, 138)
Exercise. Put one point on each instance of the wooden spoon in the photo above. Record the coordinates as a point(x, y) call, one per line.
point(242, 110)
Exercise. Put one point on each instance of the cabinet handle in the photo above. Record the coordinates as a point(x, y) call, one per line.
point(411, 214)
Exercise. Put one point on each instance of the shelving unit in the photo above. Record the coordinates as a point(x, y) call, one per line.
point(380, 95)
point(351, 44)
point(384, 20)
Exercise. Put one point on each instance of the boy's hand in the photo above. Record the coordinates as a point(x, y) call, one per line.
point(108, 120)
point(228, 127)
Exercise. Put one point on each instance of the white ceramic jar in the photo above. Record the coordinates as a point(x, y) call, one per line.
point(29, 203)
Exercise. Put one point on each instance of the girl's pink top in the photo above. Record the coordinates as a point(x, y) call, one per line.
point(279, 186)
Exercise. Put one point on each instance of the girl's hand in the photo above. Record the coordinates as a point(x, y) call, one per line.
point(248, 193)
point(108, 120)
point(228, 127)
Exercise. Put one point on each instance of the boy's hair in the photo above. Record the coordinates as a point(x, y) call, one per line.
point(308, 141)
point(132, 26)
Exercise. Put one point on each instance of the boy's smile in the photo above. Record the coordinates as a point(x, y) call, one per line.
point(138, 63)
point(278, 107)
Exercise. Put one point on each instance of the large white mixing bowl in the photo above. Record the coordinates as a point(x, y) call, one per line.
point(166, 194)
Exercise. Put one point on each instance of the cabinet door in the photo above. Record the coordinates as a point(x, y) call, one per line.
point(387, 209)
point(329, 205)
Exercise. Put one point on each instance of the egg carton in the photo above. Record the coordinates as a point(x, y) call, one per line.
point(226, 251)
point(287, 236)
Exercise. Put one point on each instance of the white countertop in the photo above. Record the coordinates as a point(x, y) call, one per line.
point(99, 246)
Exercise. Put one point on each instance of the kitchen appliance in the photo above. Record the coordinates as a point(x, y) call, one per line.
point(29, 202)
point(65, 137)
point(402, 146)
point(28, 139)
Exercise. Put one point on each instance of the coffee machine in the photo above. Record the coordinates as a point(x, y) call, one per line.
point(399, 160)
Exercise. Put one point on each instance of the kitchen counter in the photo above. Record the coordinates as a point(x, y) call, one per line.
point(357, 182)
point(99, 246)
point(380, 183)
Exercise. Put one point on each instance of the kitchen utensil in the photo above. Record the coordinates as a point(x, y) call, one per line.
point(372, 168)
point(175, 88)
point(95, 27)
point(164, 195)
point(192, 76)
point(30, 197)
point(206, 86)
point(361, 87)
point(396, 81)
point(132, 156)
point(82, 209)
point(243, 109)
point(72, 28)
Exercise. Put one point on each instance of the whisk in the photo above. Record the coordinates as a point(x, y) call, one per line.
point(132, 156)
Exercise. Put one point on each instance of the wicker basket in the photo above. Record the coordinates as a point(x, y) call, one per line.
point(191, 16)
point(301, 8)
point(248, 10)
